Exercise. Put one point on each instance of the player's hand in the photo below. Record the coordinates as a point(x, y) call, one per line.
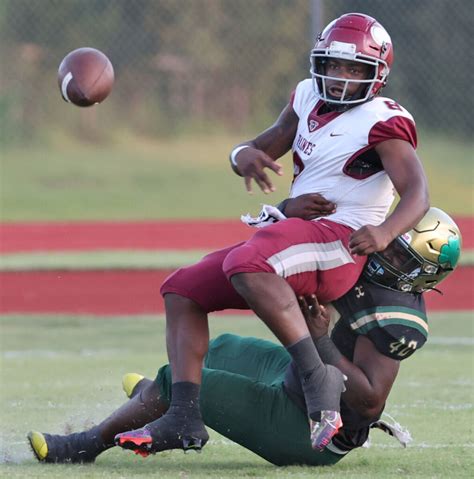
point(369, 239)
point(316, 316)
point(309, 207)
point(251, 164)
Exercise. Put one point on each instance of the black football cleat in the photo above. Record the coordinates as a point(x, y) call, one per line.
point(169, 432)
point(138, 441)
point(76, 448)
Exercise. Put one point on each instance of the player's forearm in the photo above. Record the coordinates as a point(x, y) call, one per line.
point(406, 172)
point(233, 155)
point(272, 149)
point(276, 140)
point(360, 394)
point(411, 208)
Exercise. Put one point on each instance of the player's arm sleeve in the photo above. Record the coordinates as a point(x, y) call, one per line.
point(398, 340)
point(282, 205)
point(396, 128)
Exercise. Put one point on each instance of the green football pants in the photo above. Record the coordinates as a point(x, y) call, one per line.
point(242, 398)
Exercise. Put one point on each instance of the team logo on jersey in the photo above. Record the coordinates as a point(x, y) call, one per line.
point(304, 145)
point(359, 291)
point(313, 124)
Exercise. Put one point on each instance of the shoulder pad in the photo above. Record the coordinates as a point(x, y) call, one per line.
point(384, 104)
point(397, 332)
point(304, 94)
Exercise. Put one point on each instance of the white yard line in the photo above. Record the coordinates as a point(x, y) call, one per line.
point(450, 341)
point(50, 353)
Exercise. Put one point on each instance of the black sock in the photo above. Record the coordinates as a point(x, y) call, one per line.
point(185, 397)
point(97, 440)
point(306, 356)
point(182, 426)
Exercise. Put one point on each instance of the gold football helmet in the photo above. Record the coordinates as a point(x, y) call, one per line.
point(420, 259)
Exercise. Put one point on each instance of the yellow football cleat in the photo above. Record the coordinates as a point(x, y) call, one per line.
point(38, 444)
point(129, 383)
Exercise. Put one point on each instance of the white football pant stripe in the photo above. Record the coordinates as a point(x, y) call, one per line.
point(306, 257)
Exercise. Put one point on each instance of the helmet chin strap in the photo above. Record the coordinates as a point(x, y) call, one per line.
point(340, 107)
point(430, 289)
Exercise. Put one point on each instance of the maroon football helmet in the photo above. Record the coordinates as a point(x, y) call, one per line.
point(358, 38)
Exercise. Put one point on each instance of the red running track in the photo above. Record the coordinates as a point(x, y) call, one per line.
point(137, 292)
point(139, 235)
point(145, 235)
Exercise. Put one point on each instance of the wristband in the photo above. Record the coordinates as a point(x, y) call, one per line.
point(281, 206)
point(327, 350)
point(235, 152)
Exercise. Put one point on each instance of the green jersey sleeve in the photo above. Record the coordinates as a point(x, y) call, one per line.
point(395, 322)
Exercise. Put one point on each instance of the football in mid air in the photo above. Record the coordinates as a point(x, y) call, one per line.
point(85, 77)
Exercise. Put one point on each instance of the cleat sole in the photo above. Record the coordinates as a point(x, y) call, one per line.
point(136, 441)
point(139, 452)
point(192, 444)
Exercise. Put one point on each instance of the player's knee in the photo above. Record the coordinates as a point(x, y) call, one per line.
point(247, 258)
point(240, 265)
point(151, 391)
point(242, 282)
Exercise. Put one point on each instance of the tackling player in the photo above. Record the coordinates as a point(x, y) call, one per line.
point(349, 145)
point(251, 392)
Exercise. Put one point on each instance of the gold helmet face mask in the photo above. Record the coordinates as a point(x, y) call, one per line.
point(420, 259)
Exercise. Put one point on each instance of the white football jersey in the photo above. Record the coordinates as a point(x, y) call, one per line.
point(333, 154)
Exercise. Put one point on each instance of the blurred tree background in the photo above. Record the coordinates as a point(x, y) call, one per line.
point(213, 67)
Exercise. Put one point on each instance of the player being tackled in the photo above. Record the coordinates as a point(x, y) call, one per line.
point(251, 391)
point(352, 149)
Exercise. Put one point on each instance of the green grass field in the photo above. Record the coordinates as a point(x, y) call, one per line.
point(63, 373)
point(184, 177)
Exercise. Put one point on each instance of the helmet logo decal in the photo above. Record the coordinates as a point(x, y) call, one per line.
point(449, 253)
point(380, 35)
